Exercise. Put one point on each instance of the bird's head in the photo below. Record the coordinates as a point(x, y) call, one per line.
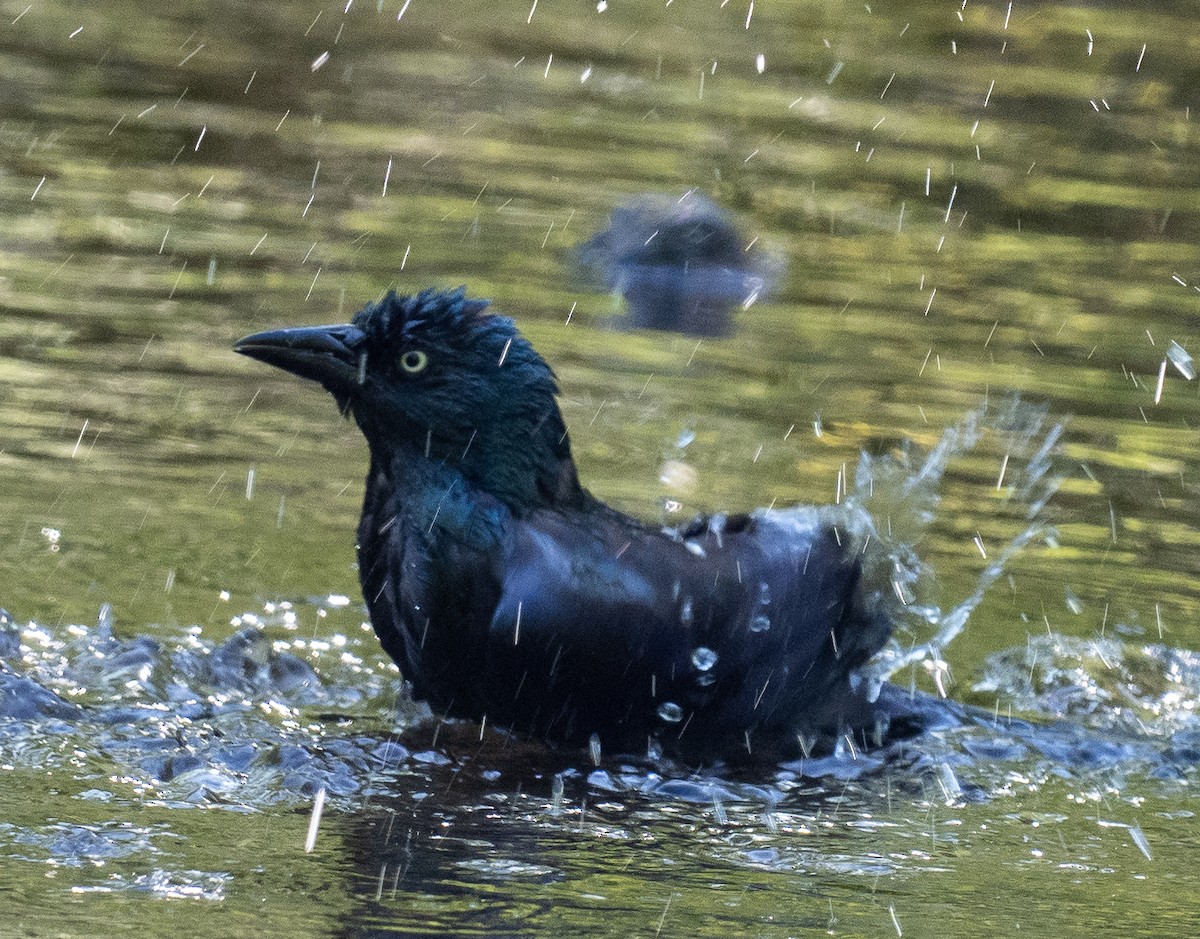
point(436, 377)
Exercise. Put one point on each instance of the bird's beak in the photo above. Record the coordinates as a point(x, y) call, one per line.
point(333, 355)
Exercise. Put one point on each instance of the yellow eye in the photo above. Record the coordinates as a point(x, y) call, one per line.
point(413, 361)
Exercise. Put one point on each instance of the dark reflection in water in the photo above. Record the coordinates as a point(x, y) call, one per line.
point(681, 264)
point(492, 839)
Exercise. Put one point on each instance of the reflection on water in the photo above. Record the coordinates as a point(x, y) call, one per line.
point(969, 199)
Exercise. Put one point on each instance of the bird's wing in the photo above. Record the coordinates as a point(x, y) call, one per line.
point(587, 627)
point(716, 633)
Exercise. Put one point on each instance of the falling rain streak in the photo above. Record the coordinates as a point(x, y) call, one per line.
point(314, 821)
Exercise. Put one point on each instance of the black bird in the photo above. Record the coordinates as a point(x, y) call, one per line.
point(508, 594)
point(681, 264)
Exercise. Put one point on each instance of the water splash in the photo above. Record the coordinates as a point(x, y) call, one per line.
point(899, 501)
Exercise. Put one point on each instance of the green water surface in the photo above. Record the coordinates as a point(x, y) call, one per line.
point(970, 198)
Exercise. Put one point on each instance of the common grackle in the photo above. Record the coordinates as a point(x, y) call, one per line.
point(507, 593)
point(681, 264)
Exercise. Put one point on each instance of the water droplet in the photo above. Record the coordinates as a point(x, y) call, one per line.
point(1182, 361)
point(1074, 604)
point(764, 593)
point(671, 712)
point(594, 749)
point(760, 623)
point(556, 794)
point(687, 615)
point(677, 476)
point(704, 679)
point(703, 658)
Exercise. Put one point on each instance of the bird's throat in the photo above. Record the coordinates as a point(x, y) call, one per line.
point(434, 500)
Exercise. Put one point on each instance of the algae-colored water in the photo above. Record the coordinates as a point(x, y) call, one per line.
point(968, 199)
